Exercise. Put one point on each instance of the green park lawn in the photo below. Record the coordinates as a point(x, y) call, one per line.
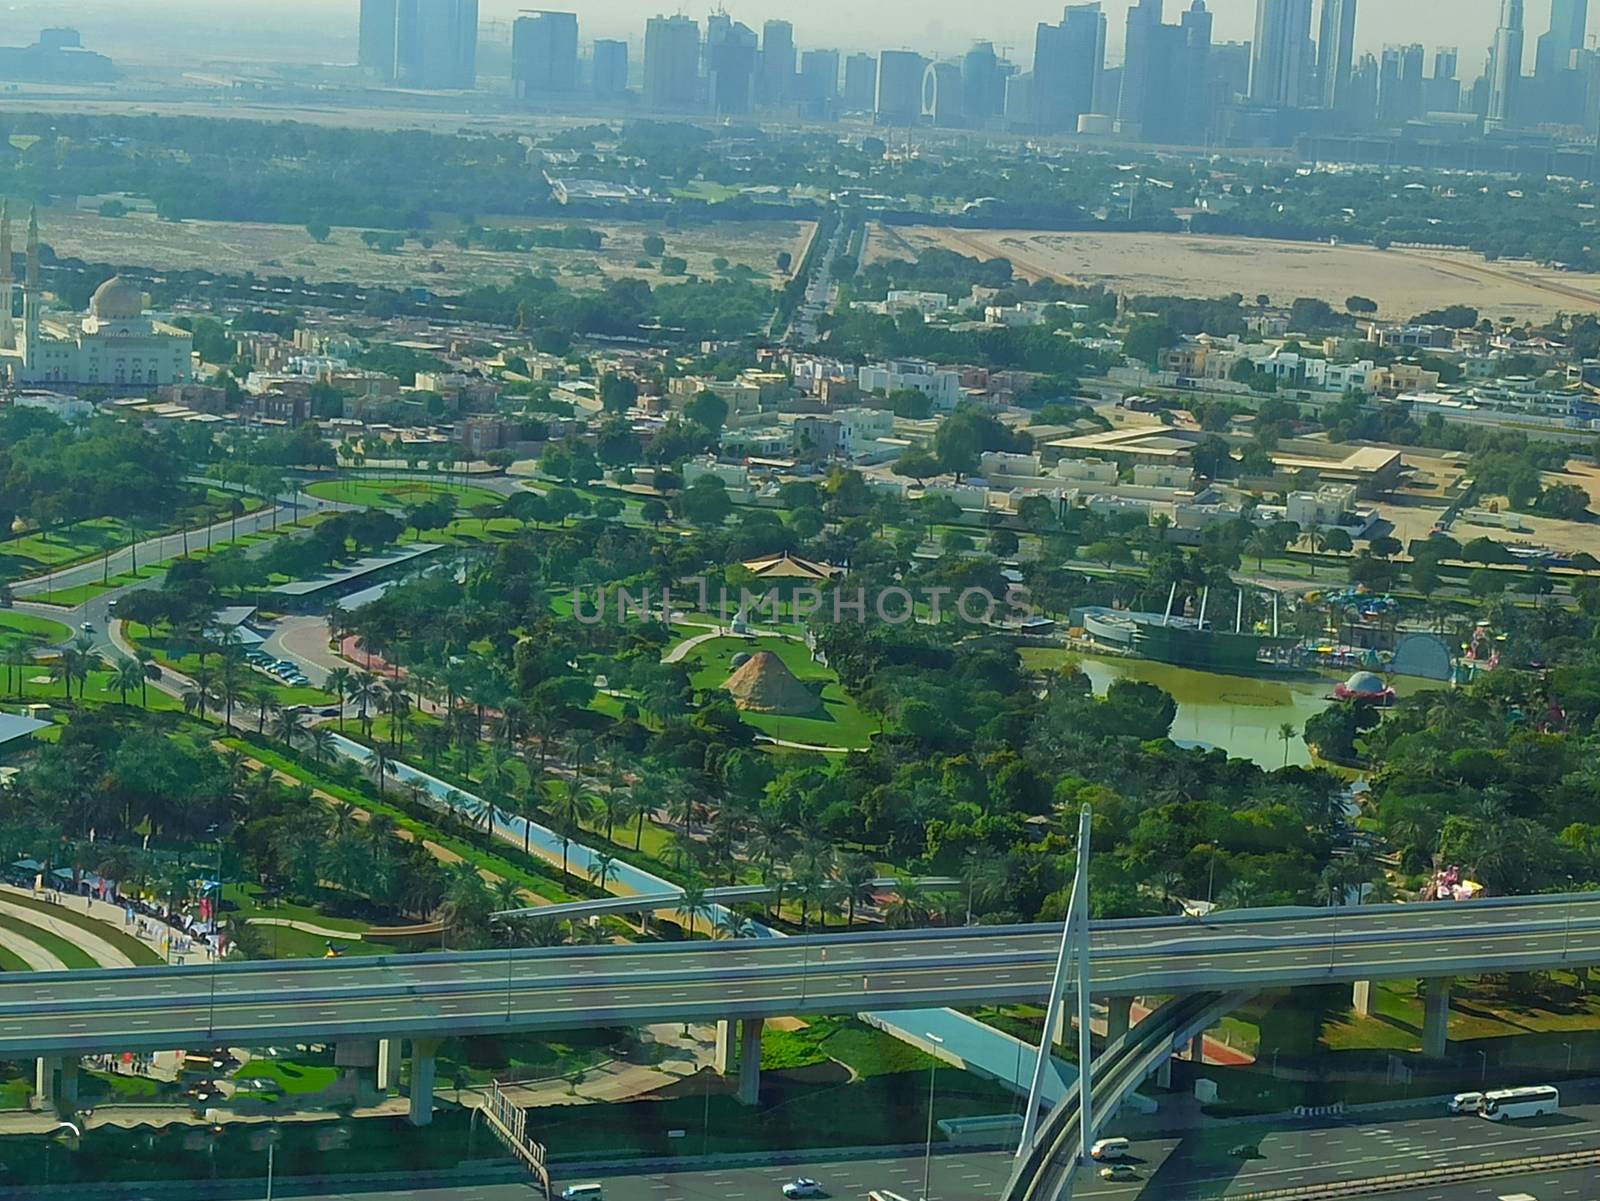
point(1479, 1009)
point(845, 726)
point(37, 686)
point(390, 494)
point(29, 630)
point(31, 553)
point(160, 643)
point(296, 1079)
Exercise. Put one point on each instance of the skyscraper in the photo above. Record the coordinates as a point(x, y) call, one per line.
point(1194, 74)
point(1443, 91)
point(1278, 68)
point(900, 74)
point(731, 54)
point(1400, 95)
point(1067, 63)
point(544, 54)
point(819, 78)
point(377, 38)
point(1142, 72)
point(1336, 51)
point(436, 43)
point(671, 62)
point(776, 85)
point(610, 68)
point(983, 87)
point(860, 83)
point(1505, 66)
point(1569, 25)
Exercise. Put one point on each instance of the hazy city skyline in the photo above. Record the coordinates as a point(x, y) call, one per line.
point(946, 26)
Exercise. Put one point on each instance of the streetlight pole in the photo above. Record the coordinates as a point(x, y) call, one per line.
point(271, 1147)
point(927, 1154)
point(1483, 1076)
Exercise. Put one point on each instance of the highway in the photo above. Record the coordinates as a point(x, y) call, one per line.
point(257, 1003)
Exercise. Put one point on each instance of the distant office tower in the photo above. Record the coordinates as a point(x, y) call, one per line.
point(1068, 60)
point(610, 68)
point(942, 96)
point(900, 75)
point(777, 82)
point(860, 83)
point(1336, 51)
point(1230, 72)
point(436, 44)
point(1194, 75)
point(1505, 66)
point(817, 88)
point(731, 54)
point(1400, 84)
point(1143, 72)
point(544, 54)
point(1569, 24)
point(983, 86)
point(1443, 91)
point(377, 37)
point(1363, 106)
point(1279, 68)
point(671, 62)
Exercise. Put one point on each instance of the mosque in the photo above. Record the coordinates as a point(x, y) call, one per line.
point(116, 346)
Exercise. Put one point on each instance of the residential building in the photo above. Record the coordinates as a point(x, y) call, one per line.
point(942, 387)
point(942, 96)
point(436, 44)
point(544, 54)
point(1327, 506)
point(376, 40)
point(671, 62)
point(817, 88)
point(900, 77)
point(610, 69)
point(860, 83)
point(731, 55)
point(777, 80)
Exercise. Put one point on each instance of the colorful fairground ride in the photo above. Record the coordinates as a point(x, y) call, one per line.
point(1480, 654)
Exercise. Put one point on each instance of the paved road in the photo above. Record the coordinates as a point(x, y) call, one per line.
point(956, 1176)
point(1305, 1155)
point(252, 1003)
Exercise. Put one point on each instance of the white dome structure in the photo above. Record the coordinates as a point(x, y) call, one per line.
point(117, 300)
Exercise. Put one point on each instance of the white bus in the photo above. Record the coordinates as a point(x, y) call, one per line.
point(1520, 1103)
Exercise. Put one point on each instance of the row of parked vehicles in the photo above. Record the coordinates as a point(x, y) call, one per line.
point(281, 669)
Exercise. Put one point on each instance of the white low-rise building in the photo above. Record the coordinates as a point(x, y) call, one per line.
point(940, 386)
point(1327, 506)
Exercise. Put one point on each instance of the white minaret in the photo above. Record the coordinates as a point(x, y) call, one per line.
point(8, 280)
point(31, 299)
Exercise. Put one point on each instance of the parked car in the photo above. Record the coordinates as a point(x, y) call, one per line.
point(1118, 1171)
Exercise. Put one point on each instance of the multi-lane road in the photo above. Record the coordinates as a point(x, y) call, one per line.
point(134, 1009)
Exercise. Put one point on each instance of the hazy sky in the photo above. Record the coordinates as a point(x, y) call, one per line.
point(324, 30)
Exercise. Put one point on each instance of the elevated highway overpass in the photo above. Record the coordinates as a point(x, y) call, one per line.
point(424, 998)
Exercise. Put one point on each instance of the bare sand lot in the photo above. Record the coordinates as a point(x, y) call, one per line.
point(1403, 282)
point(141, 240)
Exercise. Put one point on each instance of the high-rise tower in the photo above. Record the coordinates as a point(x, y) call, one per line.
point(1278, 67)
point(1505, 66)
point(1336, 52)
point(8, 282)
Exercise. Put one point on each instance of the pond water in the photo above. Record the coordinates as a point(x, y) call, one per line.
point(1240, 714)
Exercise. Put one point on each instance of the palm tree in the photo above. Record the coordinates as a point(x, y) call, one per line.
point(693, 904)
point(907, 909)
point(195, 700)
point(600, 868)
point(149, 670)
point(364, 692)
point(288, 726)
point(1288, 734)
point(126, 675)
point(339, 682)
point(232, 688)
point(856, 875)
point(320, 743)
point(378, 767)
point(571, 808)
point(732, 925)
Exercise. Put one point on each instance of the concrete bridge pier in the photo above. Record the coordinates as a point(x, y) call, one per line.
point(750, 1061)
point(1436, 1017)
point(1119, 1017)
point(1364, 998)
point(55, 1083)
point(359, 1060)
point(423, 1071)
point(389, 1053)
point(725, 1046)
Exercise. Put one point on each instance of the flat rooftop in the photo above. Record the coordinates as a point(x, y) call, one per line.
point(358, 570)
